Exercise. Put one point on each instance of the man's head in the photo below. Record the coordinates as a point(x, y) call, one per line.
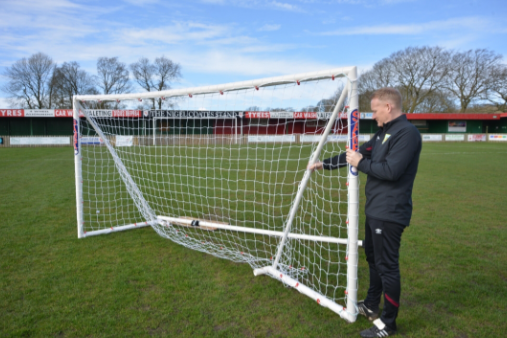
point(385, 105)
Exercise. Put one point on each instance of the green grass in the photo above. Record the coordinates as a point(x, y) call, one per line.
point(137, 284)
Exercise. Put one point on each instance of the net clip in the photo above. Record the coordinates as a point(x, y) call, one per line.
point(195, 223)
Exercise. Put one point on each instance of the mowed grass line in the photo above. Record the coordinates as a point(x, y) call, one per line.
point(137, 284)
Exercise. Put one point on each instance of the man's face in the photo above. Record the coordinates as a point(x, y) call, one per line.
point(381, 111)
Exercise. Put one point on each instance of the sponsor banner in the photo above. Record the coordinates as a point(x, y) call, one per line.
point(194, 114)
point(271, 138)
point(175, 114)
point(498, 137)
point(477, 138)
point(64, 113)
point(124, 141)
point(257, 115)
point(315, 116)
point(305, 115)
point(127, 113)
point(331, 138)
point(311, 138)
point(316, 138)
point(88, 140)
point(457, 126)
point(281, 115)
point(97, 113)
point(39, 113)
point(291, 115)
point(431, 137)
point(68, 113)
point(111, 113)
point(455, 137)
point(337, 138)
point(64, 140)
point(12, 113)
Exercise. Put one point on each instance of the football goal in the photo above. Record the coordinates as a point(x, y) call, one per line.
point(222, 169)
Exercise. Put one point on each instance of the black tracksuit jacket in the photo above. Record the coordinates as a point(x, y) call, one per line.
point(390, 159)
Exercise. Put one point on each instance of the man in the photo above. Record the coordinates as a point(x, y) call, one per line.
point(390, 160)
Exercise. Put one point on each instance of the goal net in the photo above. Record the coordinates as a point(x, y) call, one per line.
point(223, 170)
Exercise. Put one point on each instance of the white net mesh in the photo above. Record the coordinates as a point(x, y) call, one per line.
point(234, 158)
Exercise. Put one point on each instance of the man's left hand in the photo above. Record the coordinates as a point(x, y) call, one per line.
point(353, 157)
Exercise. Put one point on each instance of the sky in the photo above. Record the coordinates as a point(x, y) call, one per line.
point(219, 41)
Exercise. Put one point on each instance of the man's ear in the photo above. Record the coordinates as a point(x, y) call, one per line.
point(389, 107)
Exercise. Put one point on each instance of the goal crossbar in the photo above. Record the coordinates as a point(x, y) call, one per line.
point(233, 86)
point(163, 220)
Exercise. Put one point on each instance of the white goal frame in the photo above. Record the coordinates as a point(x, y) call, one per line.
point(349, 313)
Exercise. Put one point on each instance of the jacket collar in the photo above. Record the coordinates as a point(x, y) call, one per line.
point(396, 121)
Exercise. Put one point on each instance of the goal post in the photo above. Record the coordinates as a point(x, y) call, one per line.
point(223, 170)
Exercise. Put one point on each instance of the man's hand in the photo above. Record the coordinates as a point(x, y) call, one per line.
point(316, 165)
point(353, 157)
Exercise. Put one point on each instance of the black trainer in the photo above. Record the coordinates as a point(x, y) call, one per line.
point(370, 314)
point(379, 329)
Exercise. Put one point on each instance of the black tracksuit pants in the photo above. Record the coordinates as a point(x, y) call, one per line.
point(382, 246)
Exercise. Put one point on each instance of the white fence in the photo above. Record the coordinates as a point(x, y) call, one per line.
point(166, 140)
point(35, 141)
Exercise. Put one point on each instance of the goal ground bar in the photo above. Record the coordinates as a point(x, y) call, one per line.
point(256, 231)
point(119, 228)
point(320, 299)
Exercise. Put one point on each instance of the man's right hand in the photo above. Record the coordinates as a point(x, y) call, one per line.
point(316, 165)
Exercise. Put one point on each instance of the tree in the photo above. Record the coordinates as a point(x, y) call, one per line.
point(419, 72)
point(156, 76)
point(69, 80)
point(470, 77)
point(438, 101)
point(497, 94)
point(30, 81)
point(381, 75)
point(112, 76)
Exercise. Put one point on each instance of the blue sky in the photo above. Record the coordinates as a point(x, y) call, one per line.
point(218, 41)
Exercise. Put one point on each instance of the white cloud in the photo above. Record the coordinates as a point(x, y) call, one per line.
point(285, 6)
point(274, 4)
point(176, 33)
point(232, 62)
point(269, 28)
point(473, 23)
point(394, 2)
point(142, 2)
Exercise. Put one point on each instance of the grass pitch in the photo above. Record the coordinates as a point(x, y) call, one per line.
point(136, 284)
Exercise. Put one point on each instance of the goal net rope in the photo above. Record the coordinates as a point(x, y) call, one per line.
point(223, 170)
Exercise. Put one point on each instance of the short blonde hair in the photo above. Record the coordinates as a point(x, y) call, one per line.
point(388, 94)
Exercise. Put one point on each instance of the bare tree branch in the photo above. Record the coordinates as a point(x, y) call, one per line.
point(469, 78)
point(419, 73)
point(112, 76)
point(69, 81)
point(156, 76)
point(497, 94)
point(30, 82)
